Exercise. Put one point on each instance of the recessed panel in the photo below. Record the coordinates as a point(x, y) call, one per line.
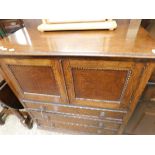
point(99, 84)
point(35, 79)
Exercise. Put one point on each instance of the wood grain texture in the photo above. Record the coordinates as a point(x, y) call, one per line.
point(32, 79)
point(80, 43)
point(99, 83)
point(36, 79)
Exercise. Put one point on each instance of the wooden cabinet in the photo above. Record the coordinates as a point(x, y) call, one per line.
point(37, 79)
point(74, 92)
point(80, 76)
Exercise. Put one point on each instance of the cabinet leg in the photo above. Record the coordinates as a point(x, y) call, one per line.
point(3, 115)
point(24, 119)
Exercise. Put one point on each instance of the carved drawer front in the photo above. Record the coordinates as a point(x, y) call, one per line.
point(96, 113)
point(149, 92)
point(100, 83)
point(37, 79)
point(76, 128)
point(76, 119)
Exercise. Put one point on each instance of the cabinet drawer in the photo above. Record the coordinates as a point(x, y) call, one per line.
point(149, 92)
point(76, 128)
point(85, 121)
point(78, 110)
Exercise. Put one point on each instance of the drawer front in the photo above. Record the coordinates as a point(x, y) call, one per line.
point(85, 121)
point(77, 110)
point(149, 92)
point(72, 127)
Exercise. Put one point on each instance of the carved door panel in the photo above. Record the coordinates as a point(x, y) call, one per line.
point(36, 78)
point(99, 83)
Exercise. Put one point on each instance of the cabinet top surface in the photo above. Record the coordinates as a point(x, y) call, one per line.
point(122, 42)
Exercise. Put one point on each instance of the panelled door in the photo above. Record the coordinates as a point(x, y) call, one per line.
point(101, 83)
point(38, 79)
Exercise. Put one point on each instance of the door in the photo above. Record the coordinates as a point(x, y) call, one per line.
point(101, 83)
point(38, 79)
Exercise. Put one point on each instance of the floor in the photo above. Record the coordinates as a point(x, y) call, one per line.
point(14, 127)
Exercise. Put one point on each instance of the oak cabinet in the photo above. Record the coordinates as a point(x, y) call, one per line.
point(75, 93)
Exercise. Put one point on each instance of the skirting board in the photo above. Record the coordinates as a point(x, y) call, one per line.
point(109, 24)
